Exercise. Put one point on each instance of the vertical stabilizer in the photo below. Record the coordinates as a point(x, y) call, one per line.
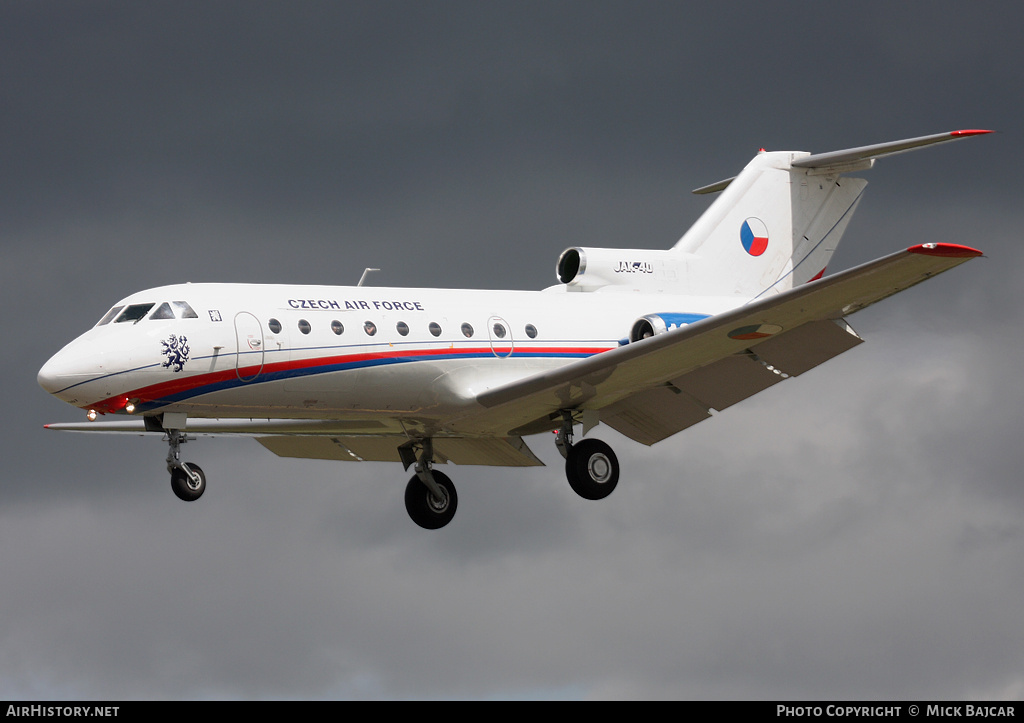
point(772, 228)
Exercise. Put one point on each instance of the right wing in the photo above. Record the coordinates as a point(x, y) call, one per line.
point(651, 389)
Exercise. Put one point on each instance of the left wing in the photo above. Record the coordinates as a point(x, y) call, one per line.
point(651, 389)
point(327, 439)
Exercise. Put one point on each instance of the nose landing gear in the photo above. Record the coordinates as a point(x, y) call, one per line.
point(187, 478)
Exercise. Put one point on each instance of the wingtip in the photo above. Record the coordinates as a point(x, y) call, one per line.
point(955, 251)
point(969, 132)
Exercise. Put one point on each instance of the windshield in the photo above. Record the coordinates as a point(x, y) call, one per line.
point(134, 312)
point(137, 312)
point(109, 315)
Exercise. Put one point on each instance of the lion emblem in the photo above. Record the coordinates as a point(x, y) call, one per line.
point(176, 350)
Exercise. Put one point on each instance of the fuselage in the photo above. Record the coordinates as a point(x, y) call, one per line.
point(384, 359)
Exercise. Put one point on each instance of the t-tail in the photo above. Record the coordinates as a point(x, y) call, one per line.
point(774, 227)
point(777, 224)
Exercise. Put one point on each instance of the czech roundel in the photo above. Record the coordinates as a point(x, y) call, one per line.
point(754, 236)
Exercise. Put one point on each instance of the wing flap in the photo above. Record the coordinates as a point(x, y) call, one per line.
point(311, 447)
point(723, 383)
point(487, 451)
point(807, 346)
point(501, 452)
point(654, 414)
point(658, 413)
point(334, 447)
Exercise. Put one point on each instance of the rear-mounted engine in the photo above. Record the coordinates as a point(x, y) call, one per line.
point(654, 324)
point(589, 269)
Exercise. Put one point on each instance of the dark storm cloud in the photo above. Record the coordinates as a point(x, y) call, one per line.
point(853, 532)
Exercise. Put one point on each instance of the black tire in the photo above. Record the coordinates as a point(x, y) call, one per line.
point(424, 509)
point(592, 469)
point(183, 486)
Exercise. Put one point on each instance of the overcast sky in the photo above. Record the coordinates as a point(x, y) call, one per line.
point(853, 533)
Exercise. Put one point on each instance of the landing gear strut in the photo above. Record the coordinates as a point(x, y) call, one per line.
point(590, 465)
point(187, 478)
point(430, 497)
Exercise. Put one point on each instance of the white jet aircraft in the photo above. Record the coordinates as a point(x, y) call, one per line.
point(648, 342)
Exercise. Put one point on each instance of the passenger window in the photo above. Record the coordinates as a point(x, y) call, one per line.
point(370, 328)
point(499, 331)
point(134, 313)
point(163, 312)
point(274, 325)
point(109, 315)
point(467, 330)
point(337, 327)
point(402, 328)
point(304, 326)
point(183, 310)
point(531, 331)
point(435, 328)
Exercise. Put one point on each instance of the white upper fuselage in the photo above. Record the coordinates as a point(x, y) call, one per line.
point(304, 352)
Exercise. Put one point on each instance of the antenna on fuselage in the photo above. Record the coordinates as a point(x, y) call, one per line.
point(366, 272)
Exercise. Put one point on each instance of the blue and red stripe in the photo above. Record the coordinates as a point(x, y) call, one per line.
point(179, 389)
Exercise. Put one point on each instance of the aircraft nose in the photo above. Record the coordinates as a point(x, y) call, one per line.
point(51, 376)
point(63, 370)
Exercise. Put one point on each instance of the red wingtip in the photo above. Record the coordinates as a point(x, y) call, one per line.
point(973, 132)
point(955, 251)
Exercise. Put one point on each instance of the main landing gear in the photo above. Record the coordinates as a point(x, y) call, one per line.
point(187, 478)
point(430, 497)
point(590, 465)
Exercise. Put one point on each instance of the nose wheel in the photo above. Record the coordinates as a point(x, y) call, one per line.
point(188, 481)
point(187, 478)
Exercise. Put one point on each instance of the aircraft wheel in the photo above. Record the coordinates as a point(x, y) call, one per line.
point(592, 469)
point(426, 510)
point(184, 486)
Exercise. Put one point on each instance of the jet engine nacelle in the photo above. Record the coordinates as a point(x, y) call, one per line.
point(653, 324)
point(589, 269)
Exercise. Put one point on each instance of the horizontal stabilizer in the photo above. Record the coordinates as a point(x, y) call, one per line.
point(866, 153)
point(714, 187)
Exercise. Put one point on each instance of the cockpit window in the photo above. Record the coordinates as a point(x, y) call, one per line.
point(163, 312)
point(173, 310)
point(183, 310)
point(133, 313)
point(109, 315)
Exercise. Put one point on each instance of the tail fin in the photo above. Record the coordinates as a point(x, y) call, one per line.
point(777, 224)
